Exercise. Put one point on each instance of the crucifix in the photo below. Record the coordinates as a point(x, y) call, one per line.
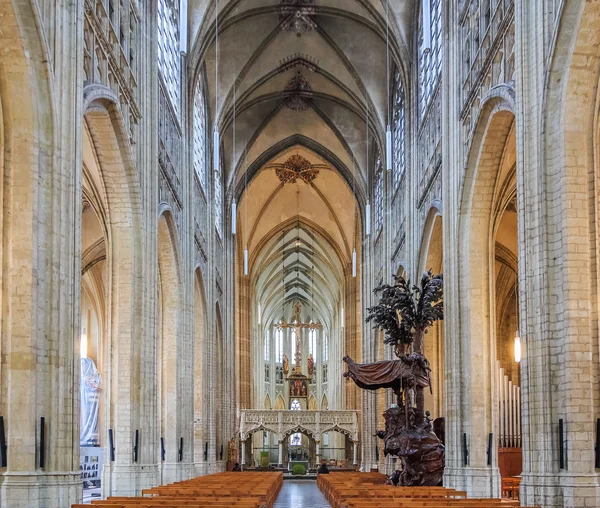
point(298, 325)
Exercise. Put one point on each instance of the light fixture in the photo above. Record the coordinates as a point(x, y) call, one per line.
point(368, 214)
point(83, 345)
point(354, 263)
point(246, 260)
point(216, 161)
point(517, 347)
point(233, 218)
point(426, 26)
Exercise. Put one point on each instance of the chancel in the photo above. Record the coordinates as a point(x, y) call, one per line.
point(277, 252)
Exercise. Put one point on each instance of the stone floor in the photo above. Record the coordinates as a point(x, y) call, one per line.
point(301, 494)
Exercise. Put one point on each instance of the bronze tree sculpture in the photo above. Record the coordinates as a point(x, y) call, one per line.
point(405, 313)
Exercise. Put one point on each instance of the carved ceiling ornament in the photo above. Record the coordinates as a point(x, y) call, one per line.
point(297, 167)
point(297, 16)
point(298, 88)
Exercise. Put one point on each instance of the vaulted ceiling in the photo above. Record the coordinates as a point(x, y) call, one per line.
point(299, 77)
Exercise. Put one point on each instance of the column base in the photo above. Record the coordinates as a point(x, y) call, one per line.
point(564, 490)
point(129, 480)
point(477, 482)
point(50, 490)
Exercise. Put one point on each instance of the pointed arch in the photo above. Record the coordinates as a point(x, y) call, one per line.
point(169, 332)
point(200, 370)
point(324, 403)
point(267, 402)
point(312, 403)
point(279, 403)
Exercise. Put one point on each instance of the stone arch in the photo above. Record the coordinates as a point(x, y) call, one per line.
point(169, 333)
point(476, 275)
point(117, 195)
point(312, 403)
point(267, 403)
point(200, 368)
point(324, 403)
point(431, 258)
point(279, 403)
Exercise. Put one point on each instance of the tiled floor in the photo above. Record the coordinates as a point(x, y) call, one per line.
point(301, 494)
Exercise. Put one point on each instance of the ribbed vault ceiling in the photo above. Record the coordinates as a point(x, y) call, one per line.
point(304, 77)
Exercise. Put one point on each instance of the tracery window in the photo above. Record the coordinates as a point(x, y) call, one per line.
point(279, 346)
point(325, 347)
point(295, 406)
point(399, 130)
point(430, 52)
point(293, 340)
point(267, 373)
point(267, 352)
point(219, 202)
point(279, 375)
point(169, 60)
point(312, 343)
point(325, 373)
point(378, 194)
point(200, 135)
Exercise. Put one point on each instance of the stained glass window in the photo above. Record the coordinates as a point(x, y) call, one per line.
point(430, 53)
point(169, 59)
point(399, 130)
point(295, 405)
point(378, 195)
point(200, 135)
point(296, 439)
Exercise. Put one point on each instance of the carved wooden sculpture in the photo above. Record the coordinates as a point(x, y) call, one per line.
point(405, 313)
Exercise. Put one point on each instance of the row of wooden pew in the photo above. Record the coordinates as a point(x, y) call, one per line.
point(240, 490)
point(368, 490)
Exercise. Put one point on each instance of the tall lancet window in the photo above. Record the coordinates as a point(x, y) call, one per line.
point(378, 195)
point(219, 201)
point(200, 135)
point(267, 346)
point(293, 341)
point(312, 343)
point(430, 51)
point(399, 130)
point(169, 59)
point(279, 346)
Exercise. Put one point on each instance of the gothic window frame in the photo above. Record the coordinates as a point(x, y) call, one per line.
point(200, 135)
point(398, 130)
point(267, 347)
point(312, 343)
point(169, 54)
point(278, 345)
point(429, 59)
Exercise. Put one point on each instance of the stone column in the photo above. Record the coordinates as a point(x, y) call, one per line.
point(317, 452)
point(280, 460)
point(243, 462)
point(355, 453)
